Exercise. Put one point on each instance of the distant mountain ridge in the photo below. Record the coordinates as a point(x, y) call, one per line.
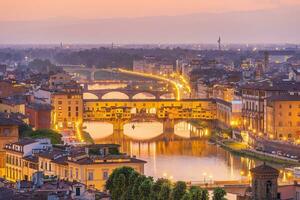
point(263, 26)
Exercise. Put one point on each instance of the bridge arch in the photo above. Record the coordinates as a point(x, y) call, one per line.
point(115, 95)
point(167, 96)
point(88, 95)
point(143, 95)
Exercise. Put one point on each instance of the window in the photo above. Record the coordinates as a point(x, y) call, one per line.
point(290, 106)
point(290, 123)
point(290, 113)
point(59, 107)
point(279, 123)
point(90, 176)
point(280, 106)
point(77, 192)
point(105, 175)
point(69, 108)
point(59, 102)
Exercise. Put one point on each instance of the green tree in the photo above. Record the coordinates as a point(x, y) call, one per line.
point(219, 194)
point(119, 187)
point(135, 190)
point(205, 194)
point(179, 190)
point(165, 192)
point(157, 186)
point(145, 189)
point(186, 196)
point(196, 193)
point(118, 182)
point(54, 136)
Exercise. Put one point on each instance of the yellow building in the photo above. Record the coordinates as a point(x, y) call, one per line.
point(67, 106)
point(94, 167)
point(20, 160)
point(283, 117)
point(223, 92)
point(107, 109)
point(8, 133)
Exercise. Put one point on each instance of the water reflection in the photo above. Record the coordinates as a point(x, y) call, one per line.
point(193, 160)
point(142, 130)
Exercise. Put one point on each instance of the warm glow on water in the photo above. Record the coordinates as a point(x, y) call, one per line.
point(187, 160)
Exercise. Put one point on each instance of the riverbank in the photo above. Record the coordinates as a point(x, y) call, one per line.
point(241, 149)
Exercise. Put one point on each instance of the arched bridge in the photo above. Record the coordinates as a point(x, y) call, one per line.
point(127, 94)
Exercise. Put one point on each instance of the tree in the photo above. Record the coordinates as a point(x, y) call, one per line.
point(157, 186)
point(145, 189)
point(165, 192)
point(119, 187)
point(205, 194)
point(27, 132)
point(179, 190)
point(118, 182)
point(219, 194)
point(196, 193)
point(135, 190)
point(186, 196)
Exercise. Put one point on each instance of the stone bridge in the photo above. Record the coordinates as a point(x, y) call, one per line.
point(128, 94)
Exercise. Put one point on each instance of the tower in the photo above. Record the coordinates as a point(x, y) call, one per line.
point(266, 64)
point(219, 43)
point(264, 182)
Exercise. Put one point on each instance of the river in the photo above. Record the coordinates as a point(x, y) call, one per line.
point(185, 159)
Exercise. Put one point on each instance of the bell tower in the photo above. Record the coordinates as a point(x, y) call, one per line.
point(264, 182)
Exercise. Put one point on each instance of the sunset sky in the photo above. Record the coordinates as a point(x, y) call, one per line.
point(91, 9)
point(149, 21)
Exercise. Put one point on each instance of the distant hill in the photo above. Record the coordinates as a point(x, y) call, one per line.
point(264, 26)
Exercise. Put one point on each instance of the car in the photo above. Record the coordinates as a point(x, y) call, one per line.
point(273, 152)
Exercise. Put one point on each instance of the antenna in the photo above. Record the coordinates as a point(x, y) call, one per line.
point(219, 43)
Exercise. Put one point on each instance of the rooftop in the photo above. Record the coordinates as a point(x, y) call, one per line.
point(264, 169)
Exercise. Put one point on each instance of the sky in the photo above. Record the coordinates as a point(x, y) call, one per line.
point(35, 15)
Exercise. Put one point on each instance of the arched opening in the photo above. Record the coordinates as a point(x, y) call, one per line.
point(88, 95)
point(144, 95)
point(167, 96)
point(115, 95)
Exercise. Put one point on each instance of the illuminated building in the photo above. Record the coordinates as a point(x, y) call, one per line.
point(67, 105)
point(90, 165)
point(283, 117)
point(8, 133)
point(95, 165)
point(254, 97)
point(15, 168)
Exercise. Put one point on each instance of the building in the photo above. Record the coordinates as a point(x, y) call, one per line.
point(294, 74)
point(39, 115)
point(151, 66)
point(224, 113)
point(8, 88)
point(59, 79)
point(94, 166)
point(9, 133)
point(253, 100)
point(67, 105)
point(264, 183)
point(89, 165)
point(223, 92)
point(283, 117)
point(17, 151)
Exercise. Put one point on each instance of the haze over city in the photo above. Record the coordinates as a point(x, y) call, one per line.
point(145, 21)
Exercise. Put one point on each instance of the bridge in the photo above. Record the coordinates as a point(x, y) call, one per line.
point(125, 93)
point(169, 112)
point(77, 68)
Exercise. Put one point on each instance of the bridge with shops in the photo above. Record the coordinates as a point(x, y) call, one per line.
point(168, 112)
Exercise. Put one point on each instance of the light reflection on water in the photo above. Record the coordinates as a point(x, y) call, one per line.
point(187, 160)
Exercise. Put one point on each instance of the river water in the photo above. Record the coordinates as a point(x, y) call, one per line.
point(184, 159)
